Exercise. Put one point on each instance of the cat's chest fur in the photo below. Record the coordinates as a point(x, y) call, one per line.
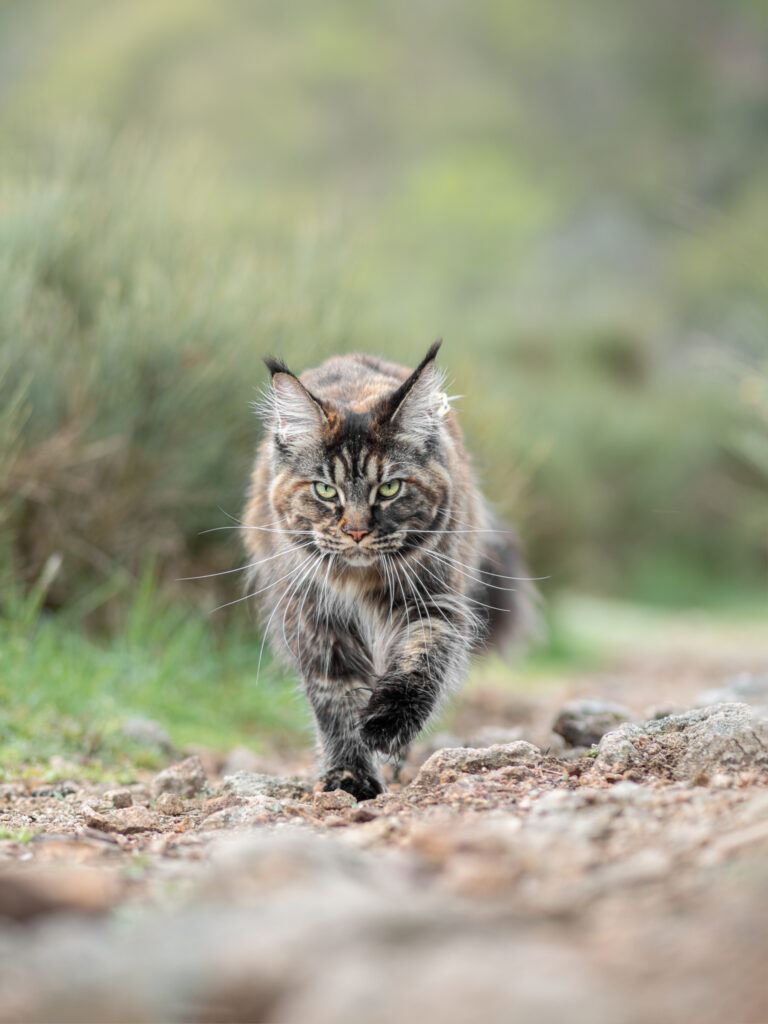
point(360, 609)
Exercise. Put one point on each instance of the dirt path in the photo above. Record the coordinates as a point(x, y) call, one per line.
point(512, 876)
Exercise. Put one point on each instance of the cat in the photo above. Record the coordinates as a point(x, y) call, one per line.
point(376, 562)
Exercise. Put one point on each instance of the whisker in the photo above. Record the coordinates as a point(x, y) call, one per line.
point(464, 597)
point(301, 609)
point(409, 581)
point(264, 529)
point(451, 625)
point(242, 568)
point(455, 564)
point(405, 600)
point(498, 575)
point(294, 590)
point(262, 590)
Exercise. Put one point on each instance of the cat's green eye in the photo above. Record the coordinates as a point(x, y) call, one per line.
point(325, 491)
point(389, 489)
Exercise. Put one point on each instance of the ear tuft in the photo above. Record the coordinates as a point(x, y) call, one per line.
point(275, 365)
point(416, 407)
point(288, 408)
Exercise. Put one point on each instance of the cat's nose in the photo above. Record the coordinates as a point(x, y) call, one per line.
point(357, 535)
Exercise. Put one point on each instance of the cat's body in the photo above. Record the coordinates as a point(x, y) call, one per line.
point(375, 560)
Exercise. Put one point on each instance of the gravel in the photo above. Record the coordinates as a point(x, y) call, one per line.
point(505, 882)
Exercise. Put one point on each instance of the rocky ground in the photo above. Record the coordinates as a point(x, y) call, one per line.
point(612, 868)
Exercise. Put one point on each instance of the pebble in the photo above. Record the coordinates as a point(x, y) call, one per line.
point(169, 803)
point(125, 821)
point(185, 779)
point(335, 800)
point(148, 734)
point(119, 797)
point(445, 765)
point(583, 723)
point(714, 739)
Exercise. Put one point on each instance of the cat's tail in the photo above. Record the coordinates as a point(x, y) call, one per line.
point(509, 594)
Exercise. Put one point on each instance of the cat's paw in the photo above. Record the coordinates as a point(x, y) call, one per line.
point(362, 785)
point(387, 723)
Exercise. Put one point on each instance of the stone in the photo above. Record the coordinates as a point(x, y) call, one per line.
point(473, 760)
point(39, 891)
point(583, 723)
point(169, 803)
point(493, 735)
point(219, 803)
point(243, 814)
point(119, 797)
point(256, 784)
point(241, 759)
point(185, 779)
point(11, 791)
point(746, 688)
point(333, 800)
point(148, 733)
point(126, 821)
point(718, 739)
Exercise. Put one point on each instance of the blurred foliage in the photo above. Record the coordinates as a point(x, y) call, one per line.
point(573, 196)
point(64, 694)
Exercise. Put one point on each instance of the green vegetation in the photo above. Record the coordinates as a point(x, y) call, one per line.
point(23, 835)
point(576, 203)
point(573, 196)
point(68, 696)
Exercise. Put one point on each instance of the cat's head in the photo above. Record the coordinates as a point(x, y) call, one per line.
point(359, 482)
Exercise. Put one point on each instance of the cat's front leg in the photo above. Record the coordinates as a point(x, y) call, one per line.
point(348, 763)
point(407, 695)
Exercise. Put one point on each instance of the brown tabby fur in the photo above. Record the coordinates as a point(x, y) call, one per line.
point(378, 602)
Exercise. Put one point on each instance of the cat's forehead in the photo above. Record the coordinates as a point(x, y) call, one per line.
point(359, 460)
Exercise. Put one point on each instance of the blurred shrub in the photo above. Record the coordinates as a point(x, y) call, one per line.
point(575, 203)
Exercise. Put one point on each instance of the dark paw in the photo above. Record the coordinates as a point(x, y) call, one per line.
point(361, 785)
point(388, 723)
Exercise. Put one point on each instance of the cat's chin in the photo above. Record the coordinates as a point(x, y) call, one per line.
point(358, 559)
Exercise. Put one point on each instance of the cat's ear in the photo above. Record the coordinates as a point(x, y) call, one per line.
point(416, 407)
point(293, 412)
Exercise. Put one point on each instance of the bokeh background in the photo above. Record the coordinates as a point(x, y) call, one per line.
point(574, 196)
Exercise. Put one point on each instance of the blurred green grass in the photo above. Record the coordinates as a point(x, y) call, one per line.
point(68, 698)
point(573, 197)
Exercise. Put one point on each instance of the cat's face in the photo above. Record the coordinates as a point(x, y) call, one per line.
point(359, 485)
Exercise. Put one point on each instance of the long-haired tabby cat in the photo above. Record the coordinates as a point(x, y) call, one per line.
point(377, 563)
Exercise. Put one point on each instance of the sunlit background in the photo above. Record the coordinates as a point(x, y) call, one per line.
point(573, 196)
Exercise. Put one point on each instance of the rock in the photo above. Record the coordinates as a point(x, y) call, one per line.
point(244, 814)
point(745, 688)
point(362, 814)
point(219, 803)
point(719, 739)
point(11, 791)
point(169, 803)
point(148, 734)
point(582, 723)
point(254, 784)
point(241, 759)
point(36, 892)
point(492, 735)
point(126, 821)
point(185, 779)
point(139, 792)
point(119, 797)
point(473, 760)
point(334, 800)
